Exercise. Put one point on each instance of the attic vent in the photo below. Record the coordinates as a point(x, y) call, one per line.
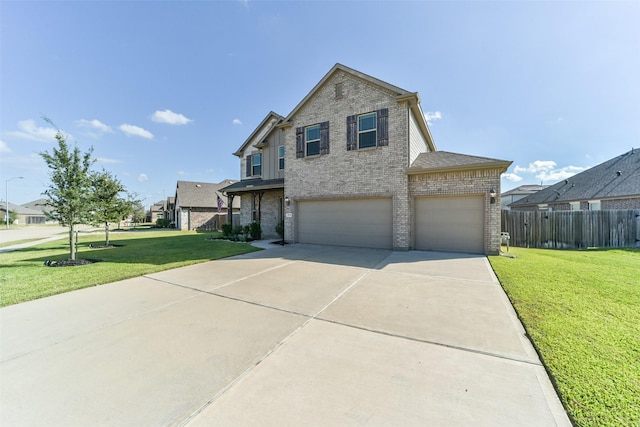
point(338, 88)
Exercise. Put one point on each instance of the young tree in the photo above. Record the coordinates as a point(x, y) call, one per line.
point(69, 191)
point(108, 205)
point(138, 212)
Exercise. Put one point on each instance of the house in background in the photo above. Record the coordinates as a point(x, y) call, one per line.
point(614, 184)
point(361, 169)
point(202, 206)
point(25, 215)
point(156, 211)
point(518, 193)
point(170, 209)
point(261, 187)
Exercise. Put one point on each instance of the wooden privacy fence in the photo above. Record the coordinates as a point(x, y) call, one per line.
point(573, 229)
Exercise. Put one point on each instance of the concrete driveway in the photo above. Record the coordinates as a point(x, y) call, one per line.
point(294, 335)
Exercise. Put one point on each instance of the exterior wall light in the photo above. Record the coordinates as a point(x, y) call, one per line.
point(492, 195)
point(287, 201)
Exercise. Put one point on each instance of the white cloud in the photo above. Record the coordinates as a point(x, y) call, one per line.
point(430, 117)
point(537, 166)
point(29, 130)
point(143, 177)
point(169, 117)
point(93, 127)
point(132, 130)
point(236, 122)
point(107, 160)
point(559, 174)
point(4, 148)
point(512, 177)
point(182, 173)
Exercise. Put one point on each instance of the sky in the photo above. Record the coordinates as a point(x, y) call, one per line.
point(168, 90)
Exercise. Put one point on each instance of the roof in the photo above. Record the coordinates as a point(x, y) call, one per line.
point(39, 205)
point(615, 178)
point(254, 184)
point(402, 95)
point(438, 161)
point(262, 130)
point(190, 194)
point(524, 190)
point(20, 210)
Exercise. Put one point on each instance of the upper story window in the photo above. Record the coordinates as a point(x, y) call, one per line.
point(312, 140)
point(367, 125)
point(368, 130)
point(281, 157)
point(254, 165)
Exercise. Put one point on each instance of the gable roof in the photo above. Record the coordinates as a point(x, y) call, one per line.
point(615, 178)
point(39, 205)
point(438, 161)
point(266, 126)
point(524, 190)
point(190, 194)
point(20, 210)
point(402, 95)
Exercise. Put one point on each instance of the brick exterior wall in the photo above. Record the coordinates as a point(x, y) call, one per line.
point(472, 182)
point(633, 203)
point(201, 219)
point(270, 212)
point(373, 172)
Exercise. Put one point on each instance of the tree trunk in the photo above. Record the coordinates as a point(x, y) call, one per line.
point(106, 233)
point(72, 243)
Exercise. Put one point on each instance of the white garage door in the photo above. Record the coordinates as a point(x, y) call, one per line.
point(454, 224)
point(355, 222)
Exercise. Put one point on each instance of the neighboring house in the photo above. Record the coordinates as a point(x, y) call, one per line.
point(25, 216)
point(614, 184)
point(156, 211)
point(361, 169)
point(170, 209)
point(261, 188)
point(41, 206)
point(202, 206)
point(518, 193)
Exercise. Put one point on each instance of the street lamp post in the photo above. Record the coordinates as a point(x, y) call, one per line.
point(6, 213)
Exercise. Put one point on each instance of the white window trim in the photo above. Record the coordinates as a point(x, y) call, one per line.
point(281, 150)
point(594, 203)
point(575, 206)
point(254, 164)
point(374, 130)
point(308, 141)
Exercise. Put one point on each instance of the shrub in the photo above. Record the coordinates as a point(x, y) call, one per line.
point(237, 231)
point(163, 222)
point(255, 230)
point(280, 229)
point(227, 230)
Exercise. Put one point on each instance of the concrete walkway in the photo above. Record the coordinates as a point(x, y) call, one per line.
point(293, 335)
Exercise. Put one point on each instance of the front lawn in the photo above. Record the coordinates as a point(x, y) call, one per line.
point(582, 312)
point(24, 277)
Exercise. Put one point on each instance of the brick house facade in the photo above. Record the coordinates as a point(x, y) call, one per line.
point(362, 170)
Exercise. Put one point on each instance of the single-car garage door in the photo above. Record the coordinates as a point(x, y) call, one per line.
point(354, 222)
point(453, 224)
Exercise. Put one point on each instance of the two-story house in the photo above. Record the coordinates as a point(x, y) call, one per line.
point(359, 168)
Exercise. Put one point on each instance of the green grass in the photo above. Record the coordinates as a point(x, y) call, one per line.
point(582, 311)
point(23, 276)
point(16, 242)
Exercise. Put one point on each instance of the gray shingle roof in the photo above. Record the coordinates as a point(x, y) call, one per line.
point(191, 194)
point(254, 184)
point(443, 160)
point(524, 189)
point(615, 178)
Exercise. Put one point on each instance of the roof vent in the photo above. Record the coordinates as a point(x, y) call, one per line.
point(566, 181)
point(198, 185)
point(619, 173)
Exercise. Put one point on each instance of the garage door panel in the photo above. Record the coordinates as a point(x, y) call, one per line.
point(453, 224)
point(353, 222)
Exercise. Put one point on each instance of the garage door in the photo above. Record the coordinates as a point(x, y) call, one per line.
point(453, 224)
point(356, 222)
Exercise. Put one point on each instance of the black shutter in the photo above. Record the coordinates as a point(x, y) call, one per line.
point(383, 127)
point(249, 165)
point(324, 138)
point(352, 132)
point(299, 142)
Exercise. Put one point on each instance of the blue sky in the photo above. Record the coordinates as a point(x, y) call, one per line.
point(166, 91)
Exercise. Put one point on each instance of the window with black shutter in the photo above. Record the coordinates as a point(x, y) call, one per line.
point(248, 166)
point(368, 130)
point(299, 142)
point(324, 138)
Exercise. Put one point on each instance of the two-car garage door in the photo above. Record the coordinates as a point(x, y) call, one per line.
point(453, 224)
point(346, 222)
